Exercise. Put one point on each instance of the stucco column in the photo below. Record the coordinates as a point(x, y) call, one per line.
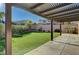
point(51, 29)
point(8, 29)
point(60, 29)
point(78, 28)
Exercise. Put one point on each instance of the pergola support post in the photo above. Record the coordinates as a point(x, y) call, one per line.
point(78, 28)
point(8, 29)
point(60, 29)
point(51, 30)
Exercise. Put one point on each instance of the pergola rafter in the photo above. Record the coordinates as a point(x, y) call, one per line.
point(57, 6)
point(69, 15)
point(62, 9)
point(65, 13)
point(37, 5)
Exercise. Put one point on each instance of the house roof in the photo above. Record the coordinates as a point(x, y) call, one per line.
point(56, 11)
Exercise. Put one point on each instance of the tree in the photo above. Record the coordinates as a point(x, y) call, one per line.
point(29, 23)
point(1, 15)
point(69, 27)
point(35, 25)
point(1, 25)
point(42, 21)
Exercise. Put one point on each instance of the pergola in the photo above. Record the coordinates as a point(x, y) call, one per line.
point(61, 12)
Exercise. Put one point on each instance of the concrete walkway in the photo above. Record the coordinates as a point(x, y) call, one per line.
point(67, 44)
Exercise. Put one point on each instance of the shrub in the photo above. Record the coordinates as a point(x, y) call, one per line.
point(57, 30)
point(43, 30)
point(19, 30)
point(40, 29)
point(49, 31)
point(75, 31)
point(2, 37)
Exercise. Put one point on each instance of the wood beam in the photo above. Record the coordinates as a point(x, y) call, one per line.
point(37, 5)
point(49, 14)
point(51, 30)
point(29, 10)
point(55, 7)
point(67, 18)
point(64, 14)
point(8, 29)
point(66, 10)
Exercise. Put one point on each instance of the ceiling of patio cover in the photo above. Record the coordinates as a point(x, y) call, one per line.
point(56, 11)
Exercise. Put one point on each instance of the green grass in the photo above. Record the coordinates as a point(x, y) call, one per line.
point(2, 46)
point(28, 42)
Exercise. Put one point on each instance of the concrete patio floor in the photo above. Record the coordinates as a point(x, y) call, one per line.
point(67, 44)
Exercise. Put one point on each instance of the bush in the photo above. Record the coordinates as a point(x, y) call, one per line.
point(75, 31)
point(19, 30)
point(2, 45)
point(57, 30)
point(43, 30)
point(2, 37)
point(49, 31)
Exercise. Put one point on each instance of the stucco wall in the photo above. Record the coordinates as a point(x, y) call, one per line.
point(47, 27)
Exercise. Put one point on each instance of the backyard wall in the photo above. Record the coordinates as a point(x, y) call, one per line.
point(47, 27)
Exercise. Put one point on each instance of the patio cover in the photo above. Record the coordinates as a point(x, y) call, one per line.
point(57, 11)
point(52, 11)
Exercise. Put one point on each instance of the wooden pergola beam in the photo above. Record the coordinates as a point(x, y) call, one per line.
point(68, 14)
point(8, 29)
point(54, 7)
point(30, 10)
point(67, 18)
point(55, 13)
point(49, 14)
point(37, 5)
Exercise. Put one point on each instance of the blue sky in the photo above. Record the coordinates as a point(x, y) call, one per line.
point(20, 14)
